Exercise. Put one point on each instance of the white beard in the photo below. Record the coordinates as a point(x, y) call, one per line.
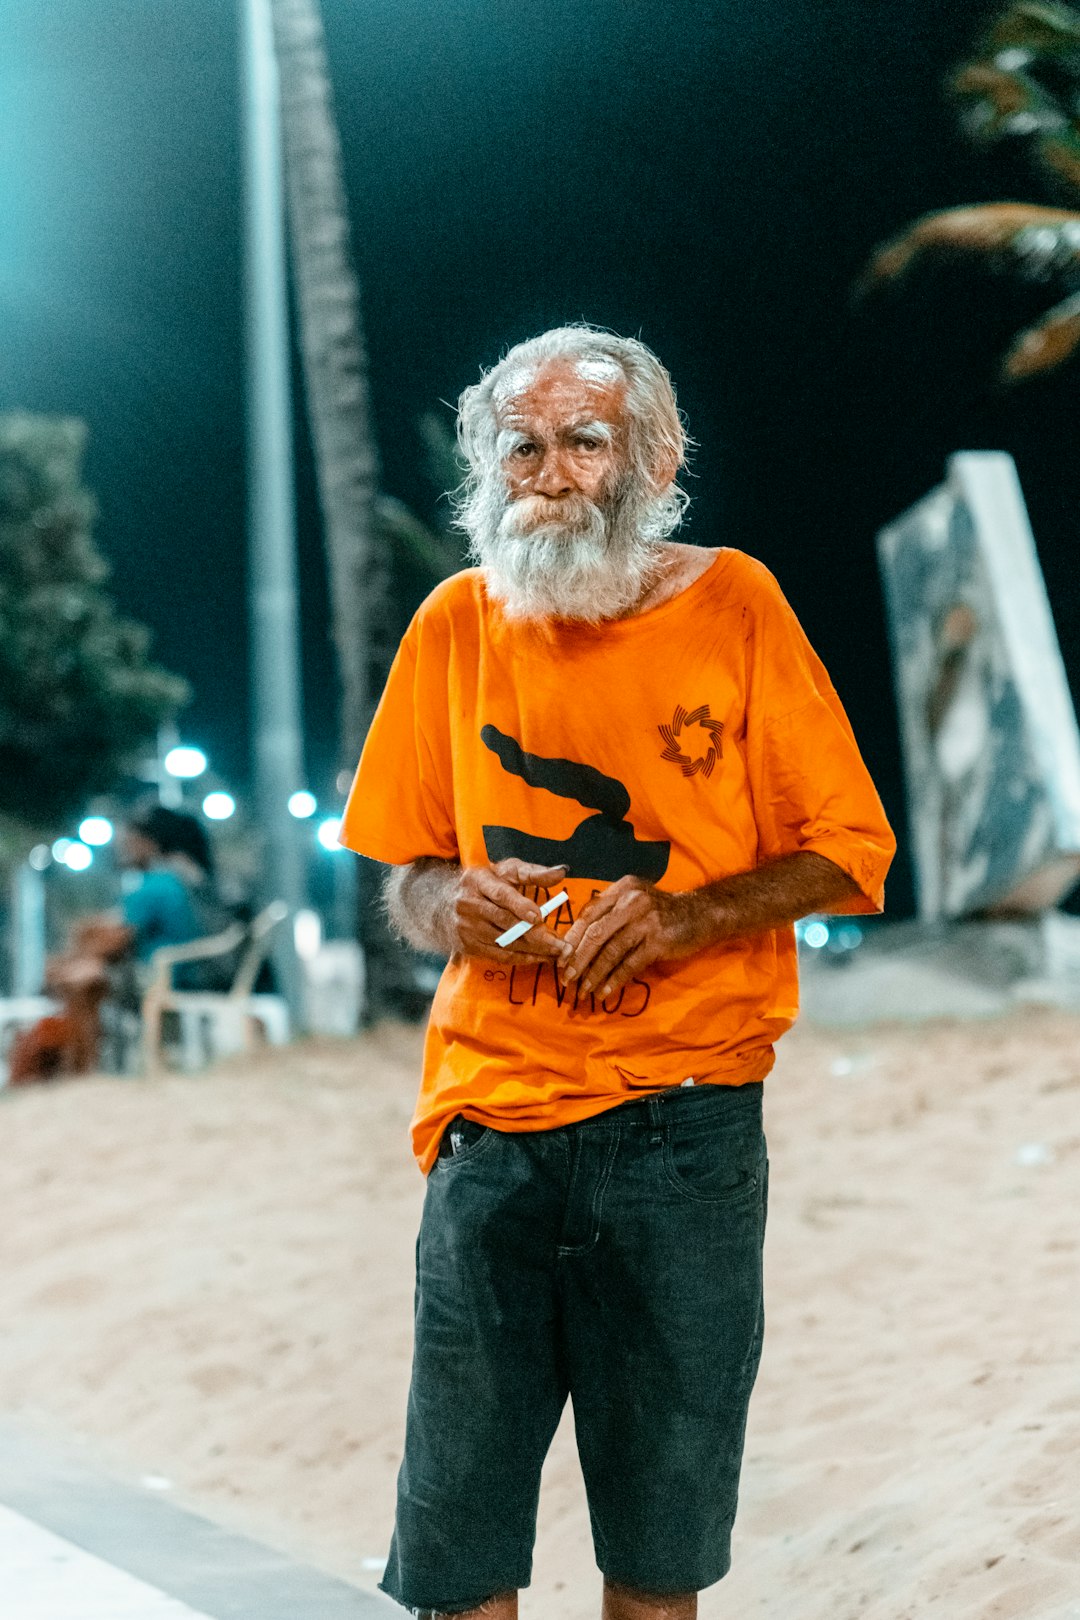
point(589, 564)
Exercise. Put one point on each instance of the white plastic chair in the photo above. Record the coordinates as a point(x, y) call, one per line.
point(215, 1023)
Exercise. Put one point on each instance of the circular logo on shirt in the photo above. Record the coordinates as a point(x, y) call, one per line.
point(689, 731)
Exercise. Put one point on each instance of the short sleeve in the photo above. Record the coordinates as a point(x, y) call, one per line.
point(810, 786)
point(160, 912)
point(398, 806)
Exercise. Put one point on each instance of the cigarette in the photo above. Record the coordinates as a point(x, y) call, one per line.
point(520, 929)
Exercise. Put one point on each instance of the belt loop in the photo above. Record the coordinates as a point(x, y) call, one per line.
point(656, 1121)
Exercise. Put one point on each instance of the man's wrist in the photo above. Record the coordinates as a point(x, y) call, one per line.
point(444, 911)
point(420, 904)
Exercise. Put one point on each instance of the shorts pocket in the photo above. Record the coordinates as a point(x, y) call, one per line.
point(461, 1140)
point(718, 1158)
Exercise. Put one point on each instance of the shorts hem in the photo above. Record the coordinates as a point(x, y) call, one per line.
point(460, 1605)
point(694, 1581)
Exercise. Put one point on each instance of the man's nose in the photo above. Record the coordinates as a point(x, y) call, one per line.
point(553, 477)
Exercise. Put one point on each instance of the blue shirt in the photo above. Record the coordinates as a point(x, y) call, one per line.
point(161, 911)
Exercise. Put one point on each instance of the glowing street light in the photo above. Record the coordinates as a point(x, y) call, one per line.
point(77, 856)
point(185, 762)
point(219, 806)
point(302, 804)
point(327, 833)
point(96, 830)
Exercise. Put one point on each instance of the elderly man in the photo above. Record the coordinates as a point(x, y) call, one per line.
point(599, 710)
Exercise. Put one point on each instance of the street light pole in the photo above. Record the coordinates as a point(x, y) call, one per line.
point(169, 791)
point(275, 659)
point(28, 930)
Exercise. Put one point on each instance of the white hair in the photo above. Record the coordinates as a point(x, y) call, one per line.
point(595, 562)
point(657, 438)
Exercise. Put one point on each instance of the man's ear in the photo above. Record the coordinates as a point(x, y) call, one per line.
point(665, 471)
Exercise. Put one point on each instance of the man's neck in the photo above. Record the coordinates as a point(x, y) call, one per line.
point(678, 566)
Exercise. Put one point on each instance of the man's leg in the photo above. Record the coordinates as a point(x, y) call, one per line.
point(622, 1603)
point(503, 1607)
point(662, 1325)
point(487, 1389)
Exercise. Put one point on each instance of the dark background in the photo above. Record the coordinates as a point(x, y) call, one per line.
point(708, 176)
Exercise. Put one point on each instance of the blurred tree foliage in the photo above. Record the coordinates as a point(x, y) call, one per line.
point(1021, 88)
point(79, 698)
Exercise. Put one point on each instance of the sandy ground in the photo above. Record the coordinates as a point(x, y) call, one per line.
point(209, 1279)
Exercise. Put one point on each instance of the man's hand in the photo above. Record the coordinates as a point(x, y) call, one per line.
point(440, 906)
point(632, 924)
point(622, 931)
point(488, 901)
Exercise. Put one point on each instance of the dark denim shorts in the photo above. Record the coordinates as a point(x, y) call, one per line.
point(617, 1261)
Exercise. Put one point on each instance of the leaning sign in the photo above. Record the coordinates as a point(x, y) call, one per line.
point(991, 745)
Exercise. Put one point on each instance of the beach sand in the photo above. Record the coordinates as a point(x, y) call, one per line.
point(209, 1278)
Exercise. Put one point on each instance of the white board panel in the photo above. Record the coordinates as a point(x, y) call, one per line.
point(989, 732)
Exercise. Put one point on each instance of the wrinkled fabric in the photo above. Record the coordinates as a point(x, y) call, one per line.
point(685, 744)
point(617, 1262)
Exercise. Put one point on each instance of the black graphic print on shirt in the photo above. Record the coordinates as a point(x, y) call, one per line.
point(604, 846)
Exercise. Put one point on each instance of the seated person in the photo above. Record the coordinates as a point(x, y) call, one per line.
point(171, 901)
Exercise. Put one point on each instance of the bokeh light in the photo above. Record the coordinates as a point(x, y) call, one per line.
point(219, 806)
point(328, 833)
point(185, 762)
point(302, 804)
point(96, 830)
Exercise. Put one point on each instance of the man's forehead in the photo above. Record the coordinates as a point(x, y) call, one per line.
point(567, 388)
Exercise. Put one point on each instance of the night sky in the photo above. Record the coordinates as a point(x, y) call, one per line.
point(708, 176)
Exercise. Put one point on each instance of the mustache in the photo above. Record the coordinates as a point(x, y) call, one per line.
point(573, 514)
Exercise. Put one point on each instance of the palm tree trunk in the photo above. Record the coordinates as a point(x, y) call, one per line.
point(336, 380)
point(335, 368)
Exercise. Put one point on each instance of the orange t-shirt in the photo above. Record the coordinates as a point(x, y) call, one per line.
point(693, 741)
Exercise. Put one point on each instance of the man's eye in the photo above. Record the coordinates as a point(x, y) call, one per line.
point(523, 450)
point(588, 444)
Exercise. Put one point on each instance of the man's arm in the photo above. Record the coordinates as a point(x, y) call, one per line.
point(632, 924)
point(440, 906)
